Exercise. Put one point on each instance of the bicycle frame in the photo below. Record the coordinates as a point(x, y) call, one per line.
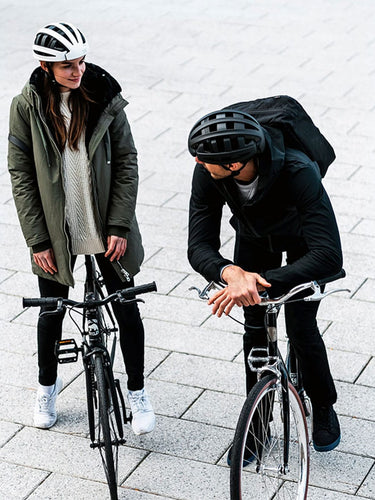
point(268, 359)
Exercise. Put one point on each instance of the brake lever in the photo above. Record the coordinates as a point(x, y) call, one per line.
point(318, 295)
point(203, 294)
point(122, 300)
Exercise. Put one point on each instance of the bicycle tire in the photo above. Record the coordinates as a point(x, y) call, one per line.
point(260, 431)
point(107, 440)
point(90, 397)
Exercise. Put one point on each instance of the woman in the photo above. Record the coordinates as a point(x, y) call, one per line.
point(74, 175)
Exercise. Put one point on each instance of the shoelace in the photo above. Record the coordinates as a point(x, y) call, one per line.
point(139, 402)
point(44, 402)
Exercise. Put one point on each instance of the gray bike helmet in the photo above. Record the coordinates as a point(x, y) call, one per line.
point(226, 136)
point(59, 42)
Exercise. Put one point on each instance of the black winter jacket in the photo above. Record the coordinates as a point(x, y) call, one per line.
point(290, 207)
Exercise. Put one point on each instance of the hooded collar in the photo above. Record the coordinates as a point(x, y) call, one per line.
point(100, 85)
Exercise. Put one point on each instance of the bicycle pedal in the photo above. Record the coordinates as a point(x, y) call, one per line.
point(66, 351)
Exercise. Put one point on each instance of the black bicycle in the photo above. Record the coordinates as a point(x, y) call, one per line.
point(105, 403)
point(271, 436)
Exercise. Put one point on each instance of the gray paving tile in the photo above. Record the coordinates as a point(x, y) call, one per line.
point(367, 291)
point(368, 487)
point(347, 310)
point(16, 338)
point(161, 307)
point(18, 482)
point(5, 274)
point(22, 285)
point(346, 366)
point(320, 493)
point(166, 280)
point(17, 404)
point(358, 243)
point(216, 408)
point(7, 431)
point(170, 258)
point(356, 401)
point(184, 479)
point(58, 486)
point(341, 471)
point(355, 436)
point(192, 340)
point(183, 438)
point(61, 453)
point(368, 375)
point(351, 336)
point(201, 372)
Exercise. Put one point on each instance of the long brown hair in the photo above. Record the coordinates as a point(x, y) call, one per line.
point(79, 103)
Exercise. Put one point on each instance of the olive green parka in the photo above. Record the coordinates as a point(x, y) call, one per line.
point(35, 166)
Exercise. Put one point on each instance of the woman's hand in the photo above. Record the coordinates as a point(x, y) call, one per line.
point(116, 247)
point(242, 290)
point(46, 260)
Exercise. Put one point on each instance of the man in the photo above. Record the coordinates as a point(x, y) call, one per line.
point(279, 205)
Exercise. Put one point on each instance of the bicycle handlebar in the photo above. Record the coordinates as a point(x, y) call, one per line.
point(314, 286)
point(126, 294)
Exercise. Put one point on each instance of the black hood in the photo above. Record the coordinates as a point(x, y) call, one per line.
point(100, 86)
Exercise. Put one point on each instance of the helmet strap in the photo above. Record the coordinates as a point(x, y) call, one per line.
point(234, 173)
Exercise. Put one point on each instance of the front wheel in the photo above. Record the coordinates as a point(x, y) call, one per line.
point(108, 439)
point(259, 443)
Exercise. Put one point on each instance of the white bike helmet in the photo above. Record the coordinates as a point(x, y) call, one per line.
point(59, 42)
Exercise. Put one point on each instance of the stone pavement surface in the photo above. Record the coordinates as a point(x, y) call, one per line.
point(175, 62)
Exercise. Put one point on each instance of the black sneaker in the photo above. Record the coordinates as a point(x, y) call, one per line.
point(326, 428)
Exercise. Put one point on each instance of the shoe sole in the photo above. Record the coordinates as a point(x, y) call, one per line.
point(140, 433)
point(327, 447)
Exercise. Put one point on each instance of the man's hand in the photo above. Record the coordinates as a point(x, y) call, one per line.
point(46, 260)
point(242, 290)
point(116, 247)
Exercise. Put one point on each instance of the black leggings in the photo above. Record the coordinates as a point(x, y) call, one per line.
point(128, 319)
point(301, 326)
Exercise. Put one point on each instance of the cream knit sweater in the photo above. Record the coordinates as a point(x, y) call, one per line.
point(79, 207)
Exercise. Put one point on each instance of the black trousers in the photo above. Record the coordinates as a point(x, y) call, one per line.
point(301, 326)
point(127, 316)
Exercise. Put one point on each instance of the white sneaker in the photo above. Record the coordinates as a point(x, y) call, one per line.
point(45, 415)
point(143, 420)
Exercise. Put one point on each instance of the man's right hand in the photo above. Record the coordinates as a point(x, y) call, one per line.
point(46, 260)
point(242, 290)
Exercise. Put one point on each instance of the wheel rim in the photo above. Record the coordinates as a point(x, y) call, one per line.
point(266, 426)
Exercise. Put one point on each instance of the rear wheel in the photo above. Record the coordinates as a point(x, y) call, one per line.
point(259, 439)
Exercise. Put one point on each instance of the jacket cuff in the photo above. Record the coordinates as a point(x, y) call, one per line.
point(122, 232)
point(40, 247)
